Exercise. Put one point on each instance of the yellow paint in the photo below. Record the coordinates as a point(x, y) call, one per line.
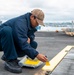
point(47, 63)
point(31, 62)
point(57, 59)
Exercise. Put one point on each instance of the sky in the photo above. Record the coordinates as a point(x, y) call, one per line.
point(54, 10)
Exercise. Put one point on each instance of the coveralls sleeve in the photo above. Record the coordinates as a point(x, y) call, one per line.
point(31, 34)
point(21, 37)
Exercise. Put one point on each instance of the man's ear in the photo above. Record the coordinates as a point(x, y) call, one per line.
point(32, 17)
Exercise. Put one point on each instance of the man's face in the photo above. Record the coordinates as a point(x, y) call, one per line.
point(33, 21)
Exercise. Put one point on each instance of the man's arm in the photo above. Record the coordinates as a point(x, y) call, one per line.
point(39, 56)
point(23, 41)
point(20, 30)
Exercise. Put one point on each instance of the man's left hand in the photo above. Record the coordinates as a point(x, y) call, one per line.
point(28, 40)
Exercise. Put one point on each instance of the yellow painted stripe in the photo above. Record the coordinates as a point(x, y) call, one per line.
point(57, 59)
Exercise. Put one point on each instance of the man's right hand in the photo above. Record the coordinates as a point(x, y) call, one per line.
point(42, 57)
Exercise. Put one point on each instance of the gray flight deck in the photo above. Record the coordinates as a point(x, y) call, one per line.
point(66, 67)
point(50, 43)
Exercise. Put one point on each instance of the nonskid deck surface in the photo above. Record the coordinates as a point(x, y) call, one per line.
point(50, 44)
point(55, 61)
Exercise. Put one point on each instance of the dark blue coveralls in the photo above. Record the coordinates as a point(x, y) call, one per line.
point(14, 35)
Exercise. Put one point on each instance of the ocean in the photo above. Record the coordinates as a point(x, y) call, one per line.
point(47, 29)
point(50, 27)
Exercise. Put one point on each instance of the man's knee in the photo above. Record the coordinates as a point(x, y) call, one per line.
point(5, 33)
point(34, 44)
